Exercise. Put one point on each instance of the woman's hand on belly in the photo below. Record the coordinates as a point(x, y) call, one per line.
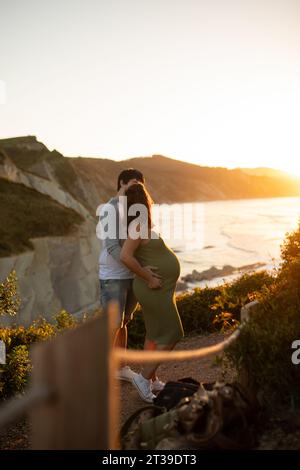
point(155, 280)
point(154, 283)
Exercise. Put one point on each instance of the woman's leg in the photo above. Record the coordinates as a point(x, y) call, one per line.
point(130, 305)
point(149, 370)
point(150, 346)
point(142, 381)
point(120, 340)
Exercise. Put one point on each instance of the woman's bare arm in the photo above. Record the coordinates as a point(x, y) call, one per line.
point(127, 257)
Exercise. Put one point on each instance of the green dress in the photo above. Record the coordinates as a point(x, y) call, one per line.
point(162, 320)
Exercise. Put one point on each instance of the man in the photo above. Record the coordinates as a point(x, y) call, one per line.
point(115, 278)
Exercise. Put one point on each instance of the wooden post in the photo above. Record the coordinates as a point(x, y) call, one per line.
point(247, 309)
point(79, 368)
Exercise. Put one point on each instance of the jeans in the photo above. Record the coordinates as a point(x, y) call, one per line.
point(119, 291)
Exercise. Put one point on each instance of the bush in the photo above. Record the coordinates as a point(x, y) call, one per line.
point(65, 321)
point(18, 339)
point(196, 310)
point(263, 350)
point(39, 330)
point(235, 295)
point(9, 297)
point(14, 374)
point(290, 248)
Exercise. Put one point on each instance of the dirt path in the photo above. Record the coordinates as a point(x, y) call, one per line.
point(203, 370)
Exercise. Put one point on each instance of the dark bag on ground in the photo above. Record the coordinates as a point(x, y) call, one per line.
point(215, 416)
point(173, 392)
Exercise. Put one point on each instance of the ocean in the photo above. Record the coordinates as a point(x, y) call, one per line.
point(232, 232)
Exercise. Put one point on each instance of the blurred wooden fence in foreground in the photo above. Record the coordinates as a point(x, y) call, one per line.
point(73, 400)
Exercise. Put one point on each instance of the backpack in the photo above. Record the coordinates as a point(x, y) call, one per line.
point(173, 392)
point(219, 416)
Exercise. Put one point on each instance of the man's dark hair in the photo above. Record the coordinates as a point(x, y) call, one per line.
point(130, 174)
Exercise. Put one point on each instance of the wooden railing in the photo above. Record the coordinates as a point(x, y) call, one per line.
point(73, 399)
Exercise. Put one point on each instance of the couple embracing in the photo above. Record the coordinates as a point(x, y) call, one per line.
point(139, 268)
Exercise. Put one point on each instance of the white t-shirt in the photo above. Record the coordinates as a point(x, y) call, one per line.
point(110, 267)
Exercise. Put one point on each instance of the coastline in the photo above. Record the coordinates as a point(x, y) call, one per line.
point(217, 280)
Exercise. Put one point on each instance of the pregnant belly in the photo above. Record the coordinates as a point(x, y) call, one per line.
point(167, 265)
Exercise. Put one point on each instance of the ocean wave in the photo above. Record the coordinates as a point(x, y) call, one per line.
point(234, 246)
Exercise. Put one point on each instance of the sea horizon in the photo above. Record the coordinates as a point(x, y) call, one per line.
point(238, 233)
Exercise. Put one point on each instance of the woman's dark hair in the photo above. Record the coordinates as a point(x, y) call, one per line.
point(130, 174)
point(138, 194)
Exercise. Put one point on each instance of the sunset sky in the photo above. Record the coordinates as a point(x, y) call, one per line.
point(214, 82)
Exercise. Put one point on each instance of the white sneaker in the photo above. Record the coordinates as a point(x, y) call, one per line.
point(143, 386)
point(125, 374)
point(157, 385)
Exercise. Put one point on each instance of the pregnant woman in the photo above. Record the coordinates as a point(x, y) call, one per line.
point(145, 247)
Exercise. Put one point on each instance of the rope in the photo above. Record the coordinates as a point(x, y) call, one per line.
point(168, 356)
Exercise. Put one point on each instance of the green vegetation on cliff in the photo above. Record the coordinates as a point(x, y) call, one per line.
point(26, 213)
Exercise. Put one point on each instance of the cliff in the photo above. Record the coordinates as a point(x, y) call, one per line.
point(47, 235)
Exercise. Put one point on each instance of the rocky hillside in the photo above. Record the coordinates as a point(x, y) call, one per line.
point(92, 181)
point(271, 172)
point(175, 181)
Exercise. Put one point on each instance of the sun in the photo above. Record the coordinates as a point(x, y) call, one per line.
point(293, 170)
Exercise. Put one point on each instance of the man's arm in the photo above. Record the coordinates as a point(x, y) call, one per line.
point(113, 248)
